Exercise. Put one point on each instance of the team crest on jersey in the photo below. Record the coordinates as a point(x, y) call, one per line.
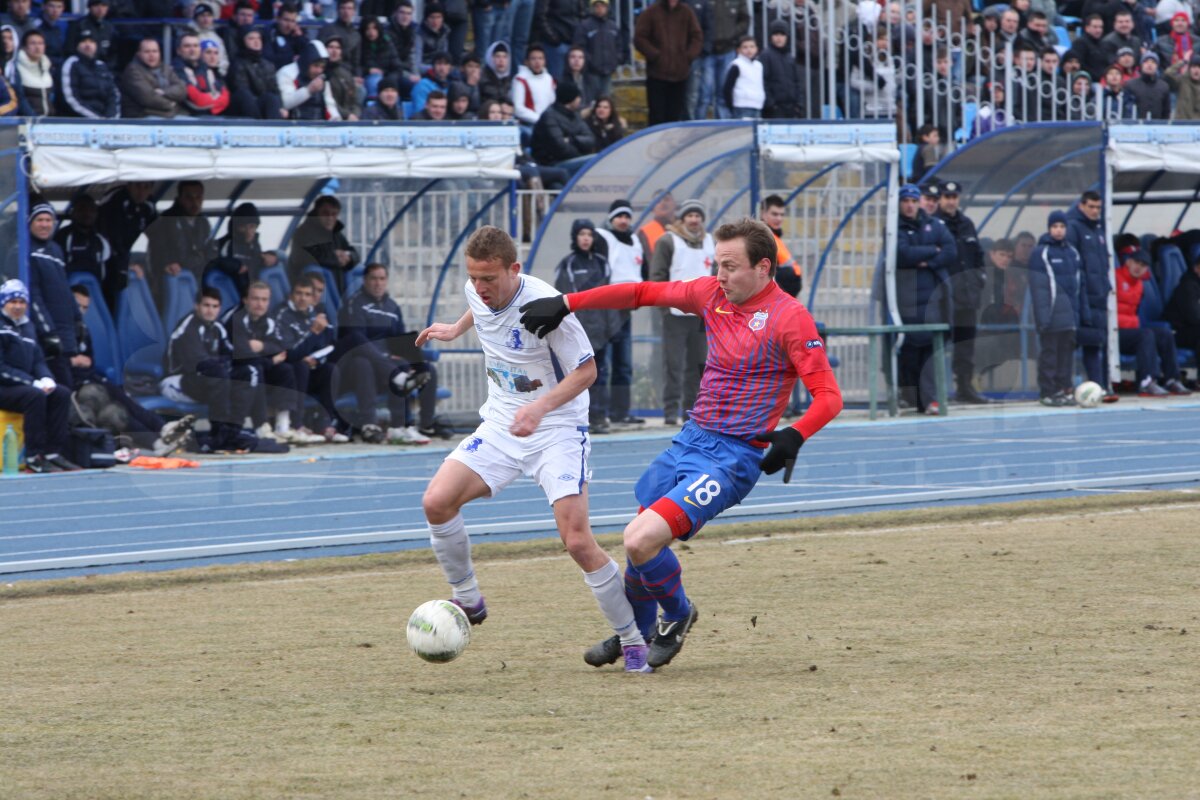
point(472, 444)
point(514, 339)
point(758, 321)
point(811, 343)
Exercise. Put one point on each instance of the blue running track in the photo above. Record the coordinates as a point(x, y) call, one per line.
point(70, 524)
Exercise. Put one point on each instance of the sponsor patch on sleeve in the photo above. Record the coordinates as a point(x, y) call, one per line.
point(811, 343)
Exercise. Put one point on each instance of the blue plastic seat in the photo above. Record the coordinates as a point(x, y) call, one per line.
point(225, 285)
point(333, 295)
point(1171, 267)
point(908, 153)
point(276, 277)
point(106, 356)
point(354, 279)
point(140, 330)
point(180, 298)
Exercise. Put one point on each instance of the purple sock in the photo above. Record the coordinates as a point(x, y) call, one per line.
point(661, 579)
point(645, 607)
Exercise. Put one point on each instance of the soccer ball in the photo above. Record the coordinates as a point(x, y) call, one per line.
point(1088, 394)
point(438, 631)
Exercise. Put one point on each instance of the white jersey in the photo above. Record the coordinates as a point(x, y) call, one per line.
point(520, 366)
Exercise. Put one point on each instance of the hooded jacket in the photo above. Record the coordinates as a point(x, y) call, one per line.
point(89, 89)
point(293, 83)
point(783, 79)
point(1054, 286)
point(52, 307)
point(21, 358)
point(579, 271)
point(670, 39)
point(35, 84)
point(251, 71)
point(492, 84)
point(1087, 238)
point(312, 244)
point(282, 50)
point(146, 92)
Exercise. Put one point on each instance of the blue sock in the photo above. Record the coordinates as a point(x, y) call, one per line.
point(645, 607)
point(662, 580)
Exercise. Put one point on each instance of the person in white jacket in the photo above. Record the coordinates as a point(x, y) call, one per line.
point(302, 86)
point(533, 89)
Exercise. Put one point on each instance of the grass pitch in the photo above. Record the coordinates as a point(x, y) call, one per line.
point(1041, 650)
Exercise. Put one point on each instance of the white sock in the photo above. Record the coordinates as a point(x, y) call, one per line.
point(453, 550)
point(609, 588)
point(283, 421)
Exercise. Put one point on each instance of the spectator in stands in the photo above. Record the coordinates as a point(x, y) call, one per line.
point(1187, 79)
point(1115, 102)
point(34, 76)
point(1037, 32)
point(789, 274)
point(145, 428)
point(783, 78)
point(700, 86)
point(199, 362)
point(1122, 35)
point(575, 71)
point(1082, 102)
point(1153, 345)
point(470, 75)
point(458, 104)
point(925, 250)
point(967, 279)
point(244, 15)
point(496, 81)
point(387, 105)
point(308, 339)
point(254, 88)
point(342, 82)
point(627, 264)
point(743, 91)
point(204, 28)
point(514, 27)
point(27, 386)
point(585, 267)
point(560, 135)
point(668, 35)
point(685, 252)
point(1182, 309)
point(1085, 232)
point(1010, 27)
point(343, 28)
point(1177, 46)
point(1165, 11)
point(19, 19)
point(606, 124)
point(1089, 46)
point(532, 88)
point(554, 25)
point(126, 212)
point(1059, 306)
point(489, 111)
point(206, 92)
point(873, 79)
point(437, 104)
point(730, 22)
point(319, 240)
point(88, 86)
point(1127, 63)
point(379, 60)
point(955, 13)
point(8, 49)
point(285, 42)
point(991, 115)
point(54, 31)
point(601, 41)
point(149, 89)
point(437, 79)
point(405, 33)
point(179, 240)
point(1150, 94)
point(86, 250)
point(930, 151)
point(662, 216)
point(435, 36)
point(239, 252)
point(303, 89)
point(368, 319)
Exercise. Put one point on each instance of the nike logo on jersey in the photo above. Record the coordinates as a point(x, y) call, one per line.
point(688, 500)
point(724, 311)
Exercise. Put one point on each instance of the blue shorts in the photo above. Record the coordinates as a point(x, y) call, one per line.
point(703, 472)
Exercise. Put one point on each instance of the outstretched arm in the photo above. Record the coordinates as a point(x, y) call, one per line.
point(447, 331)
point(544, 315)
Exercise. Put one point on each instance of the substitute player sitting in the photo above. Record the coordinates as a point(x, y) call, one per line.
point(535, 424)
point(760, 340)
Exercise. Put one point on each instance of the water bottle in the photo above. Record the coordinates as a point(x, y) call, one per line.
point(11, 456)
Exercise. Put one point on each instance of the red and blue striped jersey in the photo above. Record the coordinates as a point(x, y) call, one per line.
point(756, 350)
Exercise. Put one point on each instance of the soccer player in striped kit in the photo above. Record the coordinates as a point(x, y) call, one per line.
point(760, 341)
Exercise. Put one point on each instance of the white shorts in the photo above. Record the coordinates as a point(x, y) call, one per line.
point(556, 457)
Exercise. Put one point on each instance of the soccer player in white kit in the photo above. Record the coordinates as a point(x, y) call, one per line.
point(535, 423)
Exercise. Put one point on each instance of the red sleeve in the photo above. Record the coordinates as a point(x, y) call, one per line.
point(222, 102)
point(826, 402)
point(684, 295)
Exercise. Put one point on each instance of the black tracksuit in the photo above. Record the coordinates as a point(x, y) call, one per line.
point(201, 354)
point(22, 363)
point(294, 329)
point(272, 385)
point(52, 306)
point(966, 281)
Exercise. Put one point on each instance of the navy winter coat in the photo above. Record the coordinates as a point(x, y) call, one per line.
point(925, 252)
point(1087, 238)
point(363, 319)
point(1055, 287)
point(294, 329)
point(579, 271)
point(21, 359)
point(52, 305)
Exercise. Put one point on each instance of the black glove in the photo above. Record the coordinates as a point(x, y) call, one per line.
point(544, 315)
point(51, 345)
point(785, 445)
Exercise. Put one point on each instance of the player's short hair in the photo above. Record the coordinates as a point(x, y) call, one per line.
point(303, 282)
point(489, 243)
point(326, 200)
point(374, 267)
point(1004, 245)
point(209, 292)
point(755, 235)
point(80, 289)
point(1090, 196)
point(258, 285)
point(772, 201)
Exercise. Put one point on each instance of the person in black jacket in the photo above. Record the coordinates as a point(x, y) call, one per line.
point(254, 93)
point(95, 26)
point(1183, 310)
point(52, 308)
point(783, 78)
point(179, 240)
point(379, 59)
point(86, 250)
point(199, 361)
point(88, 85)
point(284, 42)
point(319, 240)
point(308, 339)
point(1059, 308)
point(1085, 232)
point(925, 251)
point(126, 212)
point(1150, 93)
point(1090, 50)
point(966, 286)
point(496, 83)
point(601, 41)
point(27, 387)
point(366, 321)
point(560, 135)
point(239, 252)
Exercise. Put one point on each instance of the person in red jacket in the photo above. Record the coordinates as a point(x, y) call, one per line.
point(1152, 344)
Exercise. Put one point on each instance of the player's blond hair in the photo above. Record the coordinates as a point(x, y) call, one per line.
point(489, 243)
point(755, 235)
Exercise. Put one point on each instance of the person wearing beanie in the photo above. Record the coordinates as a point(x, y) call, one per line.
point(1056, 288)
point(203, 25)
point(386, 107)
point(560, 135)
point(27, 385)
point(627, 264)
point(207, 95)
point(95, 26)
point(585, 268)
point(254, 91)
point(744, 93)
point(783, 77)
point(305, 92)
point(925, 252)
point(685, 252)
point(1186, 78)
point(1150, 93)
point(1176, 46)
point(89, 88)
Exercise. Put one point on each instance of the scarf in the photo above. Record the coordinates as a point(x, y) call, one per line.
point(1183, 46)
point(34, 74)
point(625, 238)
point(682, 232)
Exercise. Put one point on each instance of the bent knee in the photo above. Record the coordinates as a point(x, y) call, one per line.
point(439, 506)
